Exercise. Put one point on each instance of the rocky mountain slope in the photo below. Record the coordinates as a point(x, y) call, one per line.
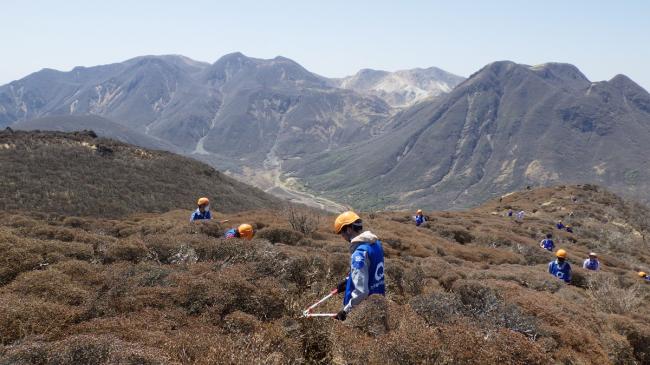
point(469, 287)
point(238, 107)
point(507, 127)
point(80, 174)
point(401, 88)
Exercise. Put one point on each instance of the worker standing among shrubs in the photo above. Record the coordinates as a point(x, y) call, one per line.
point(559, 267)
point(203, 210)
point(547, 243)
point(243, 231)
point(592, 262)
point(419, 218)
point(366, 262)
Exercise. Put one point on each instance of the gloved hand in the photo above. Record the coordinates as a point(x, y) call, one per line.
point(341, 315)
point(340, 288)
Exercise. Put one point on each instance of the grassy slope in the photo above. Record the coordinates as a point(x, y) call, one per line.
point(469, 288)
point(75, 174)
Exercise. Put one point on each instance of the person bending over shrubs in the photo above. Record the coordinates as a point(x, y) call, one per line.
point(366, 275)
point(243, 231)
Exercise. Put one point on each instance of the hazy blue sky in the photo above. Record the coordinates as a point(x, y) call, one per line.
point(331, 37)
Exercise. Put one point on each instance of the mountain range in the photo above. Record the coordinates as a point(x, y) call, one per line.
point(373, 140)
point(508, 126)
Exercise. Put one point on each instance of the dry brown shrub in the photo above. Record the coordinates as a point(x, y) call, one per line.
point(280, 235)
point(608, 296)
point(302, 219)
point(240, 322)
point(86, 350)
point(50, 285)
point(75, 222)
point(82, 272)
point(371, 316)
point(51, 233)
point(22, 316)
point(16, 259)
point(131, 249)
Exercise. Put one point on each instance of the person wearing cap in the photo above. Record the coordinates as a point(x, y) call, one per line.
point(569, 229)
point(559, 267)
point(644, 276)
point(203, 210)
point(244, 231)
point(547, 243)
point(559, 225)
point(592, 262)
point(366, 275)
point(419, 218)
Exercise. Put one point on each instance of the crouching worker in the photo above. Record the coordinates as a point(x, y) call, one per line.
point(419, 218)
point(366, 262)
point(560, 268)
point(547, 243)
point(244, 231)
point(203, 210)
point(644, 276)
point(592, 262)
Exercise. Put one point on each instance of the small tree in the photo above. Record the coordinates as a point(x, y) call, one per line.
point(302, 219)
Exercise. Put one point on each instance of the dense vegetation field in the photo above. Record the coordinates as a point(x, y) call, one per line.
point(469, 287)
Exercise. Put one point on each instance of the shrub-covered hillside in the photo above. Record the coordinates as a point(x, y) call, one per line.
point(467, 288)
point(79, 174)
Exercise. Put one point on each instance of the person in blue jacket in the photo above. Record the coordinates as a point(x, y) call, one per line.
point(203, 210)
point(547, 243)
point(419, 218)
point(559, 267)
point(592, 262)
point(560, 225)
point(366, 275)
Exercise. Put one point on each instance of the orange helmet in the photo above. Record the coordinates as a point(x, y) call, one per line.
point(344, 219)
point(203, 201)
point(561, 253)
point(245, 231)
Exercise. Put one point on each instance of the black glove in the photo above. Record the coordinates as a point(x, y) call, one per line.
point(342, 285)
point(341, 315)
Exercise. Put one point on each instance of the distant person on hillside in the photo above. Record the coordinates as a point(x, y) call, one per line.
point(559, 267)
point(203, 210)
point(592, 262)
point(520, 215)
point(366, 275)
point(644, 276)
point(510, 213)
point(244, 231)
point(569, 228)
point(547, 243)
point(559, 225)
point(419, 218)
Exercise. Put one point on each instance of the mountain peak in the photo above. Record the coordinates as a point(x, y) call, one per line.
point(563, 72)
point(623, 82)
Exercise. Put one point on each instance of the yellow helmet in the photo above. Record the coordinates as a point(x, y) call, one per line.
point(561, 253)
point(344, 219)
point(419, 211)
point(245, 231)
point(203, 201)
point(642, 274)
